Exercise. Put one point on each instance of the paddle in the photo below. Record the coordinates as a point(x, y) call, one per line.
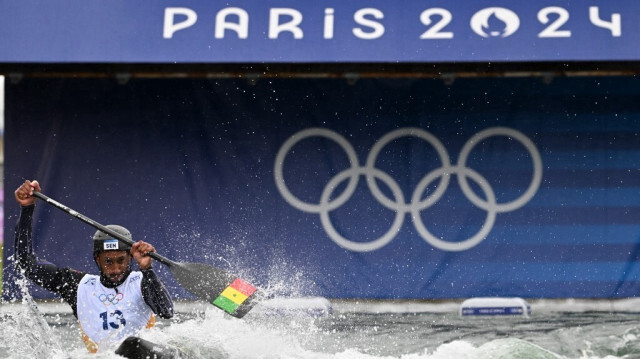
point(210, 284)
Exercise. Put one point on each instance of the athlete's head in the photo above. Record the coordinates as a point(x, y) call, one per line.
point(112, 256)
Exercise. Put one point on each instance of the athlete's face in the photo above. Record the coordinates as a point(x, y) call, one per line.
point(113, 264)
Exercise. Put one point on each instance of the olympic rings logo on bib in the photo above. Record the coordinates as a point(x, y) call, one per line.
point(398, 203)
point(109, 299)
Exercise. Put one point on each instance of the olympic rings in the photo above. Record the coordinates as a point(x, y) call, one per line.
point(108, 299)
point(417, 203)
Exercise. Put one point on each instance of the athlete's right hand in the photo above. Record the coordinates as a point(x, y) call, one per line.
point(24, 193)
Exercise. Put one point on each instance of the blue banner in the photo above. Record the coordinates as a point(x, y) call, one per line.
point(375, 189)
point(289, 31)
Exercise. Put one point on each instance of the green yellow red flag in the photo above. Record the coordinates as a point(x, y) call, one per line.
point(234, 295)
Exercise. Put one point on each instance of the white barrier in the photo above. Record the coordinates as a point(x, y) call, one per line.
point(305, 306)
point(495, 306)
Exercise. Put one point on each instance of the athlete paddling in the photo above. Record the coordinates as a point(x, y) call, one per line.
point(111, 306)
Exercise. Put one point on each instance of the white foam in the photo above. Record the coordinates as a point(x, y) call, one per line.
point(210, 333)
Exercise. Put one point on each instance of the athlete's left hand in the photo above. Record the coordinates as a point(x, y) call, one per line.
point(140, 251)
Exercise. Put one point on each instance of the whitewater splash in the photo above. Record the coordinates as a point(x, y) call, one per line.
point(354, 331)
point(25, 332)
point(287, 329)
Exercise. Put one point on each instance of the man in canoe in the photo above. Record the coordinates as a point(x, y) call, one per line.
point(111, 306)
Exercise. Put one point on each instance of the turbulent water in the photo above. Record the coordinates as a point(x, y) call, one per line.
point(371, 330)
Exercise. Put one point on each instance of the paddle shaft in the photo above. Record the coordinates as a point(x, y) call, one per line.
point(166, 261)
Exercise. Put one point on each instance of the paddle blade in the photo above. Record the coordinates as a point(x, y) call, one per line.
point(216, 286)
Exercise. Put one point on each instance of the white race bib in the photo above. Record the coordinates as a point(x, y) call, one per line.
point(108, 316)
